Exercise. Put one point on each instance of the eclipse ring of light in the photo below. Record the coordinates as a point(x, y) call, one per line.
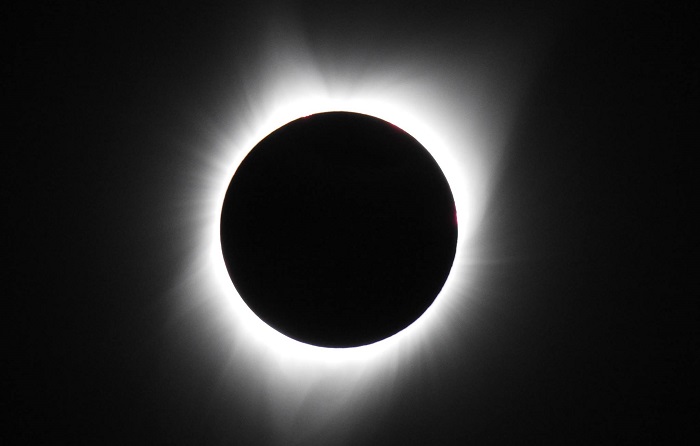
point(449, 131)
point(273, 344)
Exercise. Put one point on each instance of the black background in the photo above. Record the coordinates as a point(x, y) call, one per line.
point(587, 334)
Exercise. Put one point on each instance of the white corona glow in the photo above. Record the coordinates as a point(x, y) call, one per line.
point(404, 106)
point(391, 109)
point(453, 125)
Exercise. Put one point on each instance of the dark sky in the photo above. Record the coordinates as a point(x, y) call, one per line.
point(583, 331)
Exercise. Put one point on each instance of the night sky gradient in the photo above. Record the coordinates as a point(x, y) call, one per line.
point(570, 319)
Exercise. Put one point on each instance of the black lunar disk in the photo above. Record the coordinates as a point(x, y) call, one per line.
point(338, 229)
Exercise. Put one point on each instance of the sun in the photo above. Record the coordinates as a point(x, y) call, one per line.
point(416, 107)
point(459, 104)
point(258, 363)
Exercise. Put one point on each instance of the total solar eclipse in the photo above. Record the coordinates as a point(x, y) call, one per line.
point(338, 229)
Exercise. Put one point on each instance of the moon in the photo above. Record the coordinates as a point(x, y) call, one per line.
point(338, 229)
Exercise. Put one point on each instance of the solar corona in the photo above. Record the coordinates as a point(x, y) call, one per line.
point(333, 221)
